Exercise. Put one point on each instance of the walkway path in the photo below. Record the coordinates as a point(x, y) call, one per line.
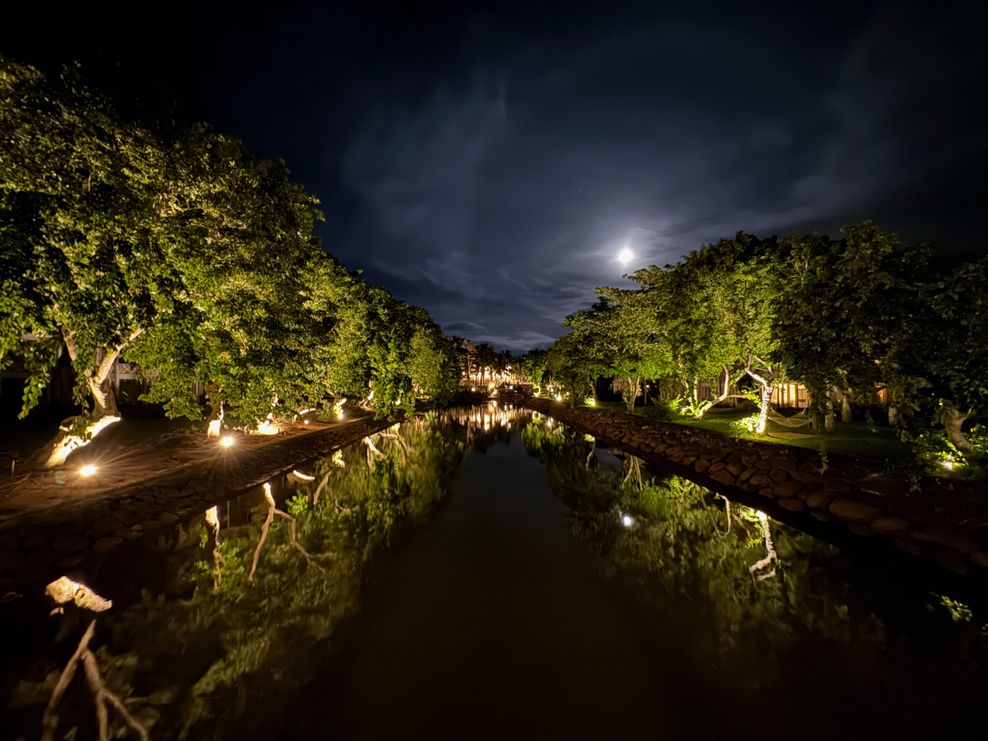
point(53, 522)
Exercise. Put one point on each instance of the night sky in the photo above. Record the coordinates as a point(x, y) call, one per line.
point(489, 165)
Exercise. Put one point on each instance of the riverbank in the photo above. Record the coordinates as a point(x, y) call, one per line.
point(945, 521)
point(52, 523)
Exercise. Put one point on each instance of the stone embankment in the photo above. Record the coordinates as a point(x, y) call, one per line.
point(37, 545)
point(948, 522)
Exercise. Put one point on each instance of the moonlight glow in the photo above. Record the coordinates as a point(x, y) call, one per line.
point(625, 256)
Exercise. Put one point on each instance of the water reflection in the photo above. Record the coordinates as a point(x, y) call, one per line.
point(228, 607)
point(759, 591)
point(229, 615)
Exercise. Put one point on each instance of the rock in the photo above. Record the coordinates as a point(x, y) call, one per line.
point(70, 543)
point(701, 465)
point(818, 500)
point(952, 560)
point(979, 558)
point(715, 467)
point(823, 516)
point(167, 518)
point(688, 460)
point(793, 504)
point(908, 545)
point(859, 529)
point(73, 559)
point(128, 533)
point(852, 511)
point(787, 489)
point(735, 468)
point(104, 544)
point(778, 474)
point(759, 479)
point(887, 524)
point(950, 536)
point(723, 477)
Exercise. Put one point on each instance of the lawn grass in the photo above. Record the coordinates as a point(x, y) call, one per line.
point(854, 438)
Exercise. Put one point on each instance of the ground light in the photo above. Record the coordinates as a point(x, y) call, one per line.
point(226, 441)
point(627, 520)
point(88, 470)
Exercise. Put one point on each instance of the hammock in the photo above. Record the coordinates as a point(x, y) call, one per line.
point(797, 420)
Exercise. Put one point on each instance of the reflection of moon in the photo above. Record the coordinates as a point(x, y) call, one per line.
point(625, 256)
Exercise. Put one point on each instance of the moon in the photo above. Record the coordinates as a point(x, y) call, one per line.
point(625, 256)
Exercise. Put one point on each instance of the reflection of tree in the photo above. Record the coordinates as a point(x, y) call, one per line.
point(264, 585)
point(747, 579)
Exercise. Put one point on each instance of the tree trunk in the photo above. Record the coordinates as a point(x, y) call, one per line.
point(104, 399)
point(763, 409)
point(631, 387)
point(953, 425)
point(78, 432)
point(846, 412)
point(702, 409)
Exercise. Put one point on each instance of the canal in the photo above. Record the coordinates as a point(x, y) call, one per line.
point(489, 573)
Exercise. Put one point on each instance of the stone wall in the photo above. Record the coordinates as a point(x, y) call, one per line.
point(40, 545)
point(945, 521)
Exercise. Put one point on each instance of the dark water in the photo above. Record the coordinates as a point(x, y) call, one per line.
point(487, 575)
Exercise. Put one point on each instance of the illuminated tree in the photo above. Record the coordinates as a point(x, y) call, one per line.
point(84, 223)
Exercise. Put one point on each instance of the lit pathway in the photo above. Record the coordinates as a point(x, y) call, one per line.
point(53, 522)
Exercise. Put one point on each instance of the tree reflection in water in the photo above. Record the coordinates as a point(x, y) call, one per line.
point(245, 600)
point(190, 666)
point(756, 586)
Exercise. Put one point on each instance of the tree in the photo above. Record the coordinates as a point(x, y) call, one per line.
point(83, 213)
point(945, 350)
point(533, 367)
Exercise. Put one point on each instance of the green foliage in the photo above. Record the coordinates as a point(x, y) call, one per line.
point(689, 542)
point(183, 252)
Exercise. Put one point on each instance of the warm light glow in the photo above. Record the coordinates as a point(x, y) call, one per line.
point(625, 256)
point(63, 590)
point(559, 397)
point(267, 427)
point(215, 428)
point(627, 520)
point(341, 415)
point(69, 443)
point(226, 441)
point(949, 465)
point(88, 470)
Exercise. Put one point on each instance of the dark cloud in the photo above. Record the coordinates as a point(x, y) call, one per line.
point(489, 166)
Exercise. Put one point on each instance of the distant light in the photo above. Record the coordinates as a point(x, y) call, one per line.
point(88, 470)
point(627, 520)
point(341, 415)
point(559, 397)
point(227, 441)
point(625, 256)
point(949, 465)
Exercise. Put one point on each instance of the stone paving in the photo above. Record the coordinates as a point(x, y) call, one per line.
point(51, 524)
point(946, 521)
